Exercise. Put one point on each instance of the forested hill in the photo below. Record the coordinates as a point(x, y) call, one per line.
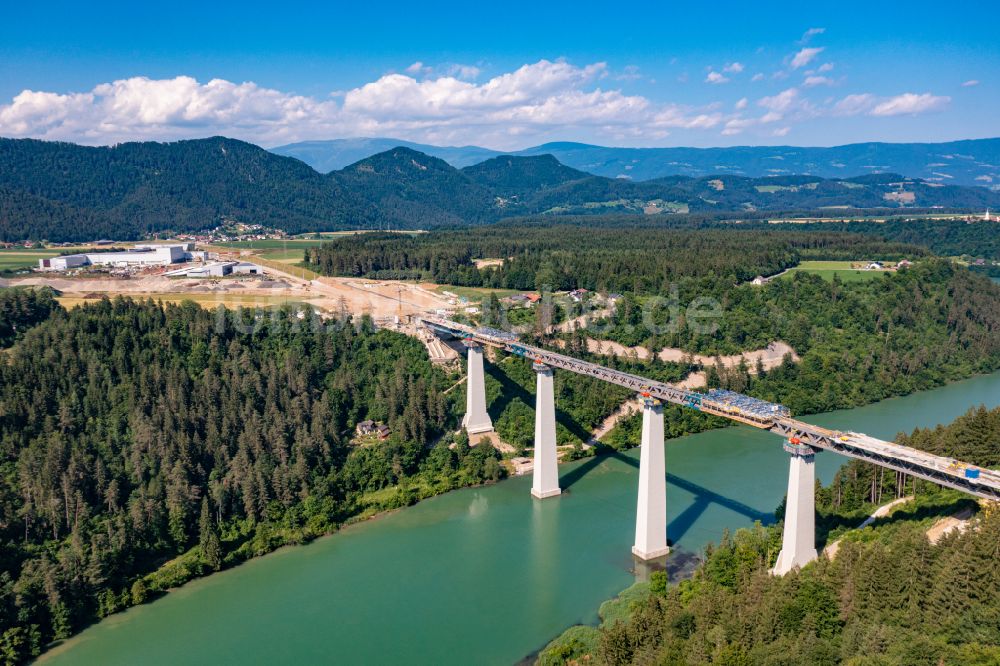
point(411, 190)
point(65, 192)
point(511, 176)
point(62, 191)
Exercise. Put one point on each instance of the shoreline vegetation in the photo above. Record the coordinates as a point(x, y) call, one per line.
point(897, 589)
point(128, 488)
point(115, 513)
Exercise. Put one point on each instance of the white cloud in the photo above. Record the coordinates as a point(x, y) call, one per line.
point(780, 102)
point(456, 70)
point(970, 83)
point(907, 103)
point(629, 73)
point(545, 99)
point(142, 108)
point(855, 104)
point(805, 56)
point(757, 77)
point(737, 125)
point(812, 81)
point(716, 78)
point(733, 68)
point(465, 72)
point(781, 131)
point(678, 117)
point(910, 103)
point(810, 33)
point(524, 92)
point(825, 67)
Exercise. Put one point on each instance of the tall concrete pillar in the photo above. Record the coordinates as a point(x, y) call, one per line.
point(476, 418)
point(798, 543)
point(545, 476)
point(651, 511)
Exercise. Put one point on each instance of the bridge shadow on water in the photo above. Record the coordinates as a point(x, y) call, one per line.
point(703, 497)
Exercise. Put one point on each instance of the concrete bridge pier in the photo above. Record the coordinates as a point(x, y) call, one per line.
point(476, 418)
point(545, 477)
point(798, 543)
point(651, 511)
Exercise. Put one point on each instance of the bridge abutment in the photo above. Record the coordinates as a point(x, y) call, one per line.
point(798, 542)
point(476, 419)
point(545, 476)
point(651, 510)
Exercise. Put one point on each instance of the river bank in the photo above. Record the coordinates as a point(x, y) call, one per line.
point(486, 571)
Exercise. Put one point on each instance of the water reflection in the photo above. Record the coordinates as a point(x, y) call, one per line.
point(546, 551)
point(478, 506)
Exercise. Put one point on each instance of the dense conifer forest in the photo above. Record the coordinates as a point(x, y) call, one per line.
point(859, 341)
point(21, 309)
point(943, 237)
point(143, 445)
point(889, 598)
point(616, 256)
point(590, 252)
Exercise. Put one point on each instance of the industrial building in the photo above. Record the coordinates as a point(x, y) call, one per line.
point(64, 263)
point(217, 269)
point(153, 254)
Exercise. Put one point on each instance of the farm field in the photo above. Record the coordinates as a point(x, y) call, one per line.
point(285, 256)
point(11, 260)
point(286, 266)
point(19, 257)
point(845, 270)
point(858, 217)
point(334, 234)
point(474, 294)
point(273, 244)
point(279, 254)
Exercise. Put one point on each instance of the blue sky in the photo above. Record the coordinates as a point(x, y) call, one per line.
point(502, 76)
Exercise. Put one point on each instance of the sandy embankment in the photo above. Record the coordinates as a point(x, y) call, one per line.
point(771, 357)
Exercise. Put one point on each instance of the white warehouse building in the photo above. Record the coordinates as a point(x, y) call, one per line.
point(63, 263)
point(217, 269)
point(141, 255)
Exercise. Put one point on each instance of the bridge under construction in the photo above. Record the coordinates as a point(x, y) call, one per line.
point(802, 442)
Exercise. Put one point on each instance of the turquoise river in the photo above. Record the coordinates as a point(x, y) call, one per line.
point(485, 575)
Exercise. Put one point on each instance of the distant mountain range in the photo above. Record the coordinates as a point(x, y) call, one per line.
point(66, 192)
point(971, 162)
point(327, 156)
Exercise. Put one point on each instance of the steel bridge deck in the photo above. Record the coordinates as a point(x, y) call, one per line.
point(937, 469)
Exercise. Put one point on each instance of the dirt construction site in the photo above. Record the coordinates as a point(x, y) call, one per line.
point(389, 303)
point(382, 300)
